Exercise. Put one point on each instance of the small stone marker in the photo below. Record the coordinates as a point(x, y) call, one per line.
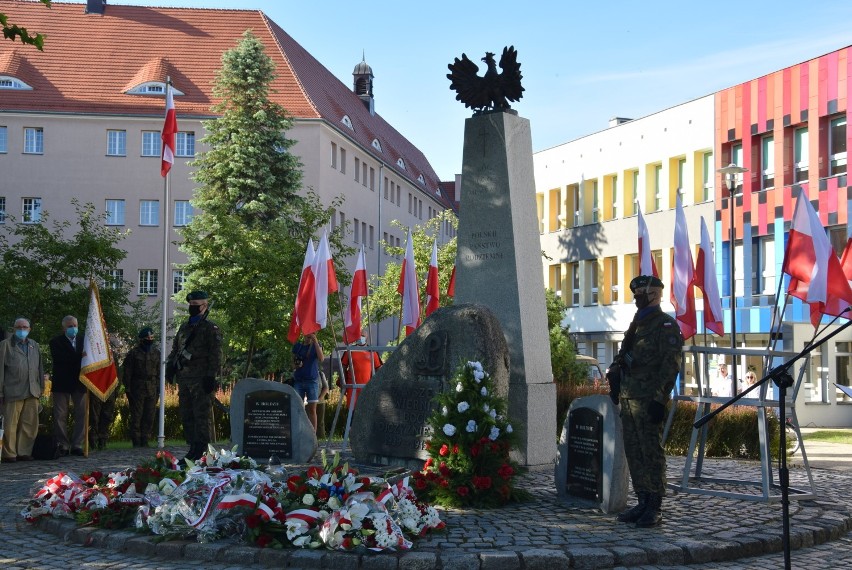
point(268, 418)
point(390, 424)
point(591, 466)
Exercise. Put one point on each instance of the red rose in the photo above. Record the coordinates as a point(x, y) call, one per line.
point(444, 483)
point(347, 543)
point(365, 481)
point(483, 483)
point(444, 469)
point(428, 463)
point(462, 491)
point(455, 448)
point(505, 471)
point(474, 450)
point(444, 450)
point(420, 484)
point(323, 494)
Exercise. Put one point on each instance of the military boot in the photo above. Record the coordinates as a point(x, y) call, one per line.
point(633, 514)
point(653, 511)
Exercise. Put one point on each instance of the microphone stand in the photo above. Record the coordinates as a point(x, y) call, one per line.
point(782, 378)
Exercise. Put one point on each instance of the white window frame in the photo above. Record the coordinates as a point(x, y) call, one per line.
point(115, 210)
point(33, 140)
point(707, 175)
point(801, 150)
point(578, 205)
point(116, 142)
point(614, 197)
point(595, 209)
point(763, 266)
point(767, 162)
point(836, 141)
point(148, 282)
point(178, 280)
point(115, 279)
point(152, 143)
point(185, 143)
point(2, 209)
point(183, 213)
point(31, 210)
point(4, 140)
point(575, 284)
point(658, 187)
point(149, 213)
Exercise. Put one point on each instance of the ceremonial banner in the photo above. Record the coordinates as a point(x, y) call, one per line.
point(97, 372)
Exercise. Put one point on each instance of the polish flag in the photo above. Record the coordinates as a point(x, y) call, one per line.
point(97, 369)
point(408, 289)
point(451, 288)
point(705, 279)
point(168, 133)
point(325, 280)
point(816, 272)
point(433, 292)
point(846, 260)
point(304, 310)
point(352, 318)
point(646, 260)
point(683, 276)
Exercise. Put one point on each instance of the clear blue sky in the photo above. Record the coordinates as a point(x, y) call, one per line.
point(583, 62)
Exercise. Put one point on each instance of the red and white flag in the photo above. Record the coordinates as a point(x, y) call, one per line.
point(408, 289)
point(97, 369)
point(352, 318)
point(705, 279)
point(168, 134)
point(433, 292)
point(816, 272)
point(304, 309)
point(451, 288)
point(683, 276)
point(646, 260)
point(325, 280)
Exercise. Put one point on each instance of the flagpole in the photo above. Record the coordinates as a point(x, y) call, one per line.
point(164, 299)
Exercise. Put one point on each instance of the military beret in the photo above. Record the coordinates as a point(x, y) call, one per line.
point(645, 281)
point(197, 296)
point(146, 332)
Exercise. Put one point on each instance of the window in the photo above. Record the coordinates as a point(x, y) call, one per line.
point(334, 155)
point(31, 210)
point(357, 231)
point(409, 202)
point(178, 279)
point(364, 174)
point(386, 187)
point(611, 278)
point(116, 143)
point(595, 210)
point(372, 179)
point(4, 140)
point(115, 279)
point(800, 155)
point(837, 146)
point(185, 144)
point(147, 282)
point(634, 191)
point(555, 280)
point(364, 232)
point(115, 212)
point(2, 209)
point(767, 162)
point(183, 212)
point(398, 195)
point(8, 82)
point(615, 197)
point(593, 279)
point(149, 212)
point(151, 143)
point(578, 209)
point(357, 169)
point(737, 158)
point(392, 192)
point(343, 161)
point(681, 174)
point(843, 367)
point(707, 176)
point(658, 187)
point(33, 140)
point(763, 266)
point(372, 237)
point(574, 269)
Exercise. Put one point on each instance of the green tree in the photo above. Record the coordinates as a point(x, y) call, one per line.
point(12, 31)
point(563, 353)
point(247, 243)
point(46, 271)
point(385, 301)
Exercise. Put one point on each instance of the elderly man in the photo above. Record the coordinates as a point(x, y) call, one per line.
point(66, 351)
point(641, 380)
point(21, 385)
point(194, 363)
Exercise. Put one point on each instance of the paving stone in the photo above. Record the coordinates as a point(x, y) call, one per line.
point(380, 561)
point(544, 559)
point(418, 561)
point(499, 560)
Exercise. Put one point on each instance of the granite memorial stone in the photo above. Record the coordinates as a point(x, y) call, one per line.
point(591, 467)
point(390, 425)
point(268, 418)
point(499, 264)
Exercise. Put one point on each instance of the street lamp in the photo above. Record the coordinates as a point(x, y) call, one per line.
point(730, 174)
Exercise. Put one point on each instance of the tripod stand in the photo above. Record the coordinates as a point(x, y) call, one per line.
point(781, 377)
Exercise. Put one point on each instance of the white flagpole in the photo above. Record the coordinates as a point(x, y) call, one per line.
point(164, 300)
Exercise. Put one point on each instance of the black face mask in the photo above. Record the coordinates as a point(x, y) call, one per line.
point(641, 301)
point(194, 310)
point(147, 341)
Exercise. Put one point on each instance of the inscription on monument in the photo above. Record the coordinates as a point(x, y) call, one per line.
point(585, 454)
point(268, 425)
point(434, 360)
point(400, 422)
point(484, 245)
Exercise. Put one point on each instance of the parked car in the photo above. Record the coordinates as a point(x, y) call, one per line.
point(594, 368)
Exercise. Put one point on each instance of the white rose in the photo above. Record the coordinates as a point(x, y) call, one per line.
point(308, 499)
point(508, 428)
point(449, 429)
point(495, 433)
point(484, 392)
point(444, 410)
point(459, 387)
point(463, 407)
point(493, 414)
point(471, 426)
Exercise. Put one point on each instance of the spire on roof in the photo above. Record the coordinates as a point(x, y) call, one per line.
point(362, 83)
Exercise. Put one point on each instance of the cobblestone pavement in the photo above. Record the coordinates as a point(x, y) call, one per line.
point(699, 531)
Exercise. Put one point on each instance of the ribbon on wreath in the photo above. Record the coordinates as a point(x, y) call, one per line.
point(400, 489)
point(208, 505)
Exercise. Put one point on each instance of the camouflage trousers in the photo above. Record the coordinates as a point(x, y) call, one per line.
point(101, 415)
point(143, 412)
point(643, 446)
point(195, 415)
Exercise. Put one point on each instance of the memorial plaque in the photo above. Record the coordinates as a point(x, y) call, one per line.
point(585, 454)
point(401, 420)
point(268, 425)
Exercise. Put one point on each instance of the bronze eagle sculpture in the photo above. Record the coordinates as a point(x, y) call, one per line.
point(494, 90)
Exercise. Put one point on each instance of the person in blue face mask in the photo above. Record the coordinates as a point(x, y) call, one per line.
point(66, 351)
point(21, 385)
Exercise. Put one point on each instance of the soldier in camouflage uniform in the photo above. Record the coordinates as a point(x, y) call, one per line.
point(641, 380)
point(194, 363)
point(141, 373)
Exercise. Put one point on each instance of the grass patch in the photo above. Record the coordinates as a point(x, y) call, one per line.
point(830, 436)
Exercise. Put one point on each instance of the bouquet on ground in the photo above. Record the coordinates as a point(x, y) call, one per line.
point(469, 463)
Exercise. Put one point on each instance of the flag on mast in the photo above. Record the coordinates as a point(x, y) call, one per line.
point(647, 266)
point(408, 289)
point(352, 318)
point(451, 288)
point(169, 132)
point(683, 276)
point(433, 292)
point(97, 369)
point(325, 280)
point(705, 279)
point(304, 308)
